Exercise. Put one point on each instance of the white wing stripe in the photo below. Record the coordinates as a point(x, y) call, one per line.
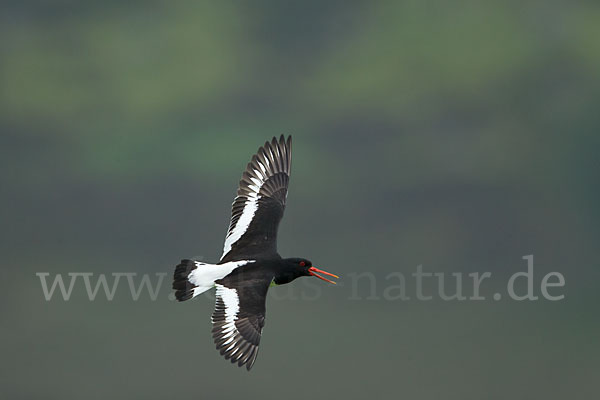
point(232, 307)
point(231, 302)
point(262, 167)
point(250, 207)
point(228, 340)
point(231, 347)
point(259, 173)
point(242, 225)
point(270, 160)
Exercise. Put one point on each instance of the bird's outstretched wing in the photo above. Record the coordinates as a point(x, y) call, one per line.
point(260, 201)
point(238, 320)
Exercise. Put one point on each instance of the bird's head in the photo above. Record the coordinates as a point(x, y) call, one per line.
point(303, 267)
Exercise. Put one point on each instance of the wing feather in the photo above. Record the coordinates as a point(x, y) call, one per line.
point(260, 202)
point(238, 320)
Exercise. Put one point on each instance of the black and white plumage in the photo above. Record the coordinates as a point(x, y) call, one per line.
point(237, 326)
point(250, 262)
point(260, 201)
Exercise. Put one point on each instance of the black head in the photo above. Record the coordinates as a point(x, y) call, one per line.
point(297, 267)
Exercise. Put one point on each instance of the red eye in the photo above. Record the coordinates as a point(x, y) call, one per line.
point(302, 263)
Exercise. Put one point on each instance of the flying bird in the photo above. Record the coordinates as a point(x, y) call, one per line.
point(250, 263)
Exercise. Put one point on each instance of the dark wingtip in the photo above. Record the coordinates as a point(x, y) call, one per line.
point(283, 141)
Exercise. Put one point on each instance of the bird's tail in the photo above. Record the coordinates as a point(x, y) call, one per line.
point(184, 289)
point(194, 277)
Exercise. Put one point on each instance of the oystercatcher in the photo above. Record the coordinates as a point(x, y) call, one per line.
point(250, 263)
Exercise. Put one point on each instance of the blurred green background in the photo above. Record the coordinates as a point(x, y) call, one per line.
point(459, 136)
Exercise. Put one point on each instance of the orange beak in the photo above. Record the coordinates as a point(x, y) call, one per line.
point(313, 271)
